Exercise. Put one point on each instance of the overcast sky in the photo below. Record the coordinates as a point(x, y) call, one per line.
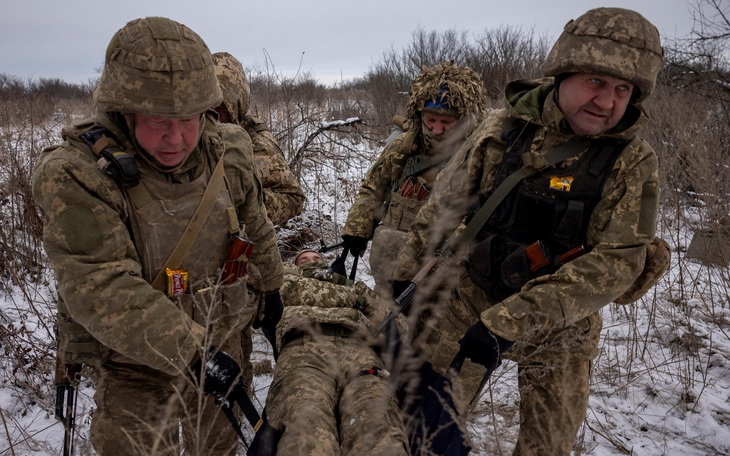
point(333, 39)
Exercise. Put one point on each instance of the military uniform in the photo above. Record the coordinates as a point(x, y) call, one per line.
point(328, 394)
point(108, 244)
point(399, 182)
point(554, 318)
point(283, 196)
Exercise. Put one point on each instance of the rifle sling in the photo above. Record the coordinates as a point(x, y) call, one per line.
point(194, 226)
point(553, 156)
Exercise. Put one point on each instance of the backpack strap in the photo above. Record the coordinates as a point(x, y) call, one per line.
point(530, 167)
point(120, 164)
point(194, 225)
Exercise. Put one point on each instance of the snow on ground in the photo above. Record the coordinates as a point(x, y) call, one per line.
point(660, 384)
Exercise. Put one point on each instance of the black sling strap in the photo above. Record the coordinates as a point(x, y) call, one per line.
point(531, 165)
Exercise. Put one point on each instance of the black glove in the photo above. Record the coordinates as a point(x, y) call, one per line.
point(482, 346)
point(338, 266)
point(273, 309)
point(265, 441)
point(218, 376)
point(356, 245)
point(329, 275)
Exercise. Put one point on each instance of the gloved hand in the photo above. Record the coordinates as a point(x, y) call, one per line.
point(329, 275)
point(357, 245)
point(218, 375)
point(338, 266)
point(273, 310)
point(265, 441)
point(482, 346)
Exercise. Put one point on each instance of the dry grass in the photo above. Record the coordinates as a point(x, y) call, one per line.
point(688, 130)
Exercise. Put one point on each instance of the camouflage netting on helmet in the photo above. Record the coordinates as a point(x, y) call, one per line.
point(233, 83)
point(458, 86)
point(158, 67)
point(612, 41)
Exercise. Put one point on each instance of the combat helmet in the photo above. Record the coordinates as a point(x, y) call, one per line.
point(157, 67)
point(447, 88)
point(233, 84)
point(612, 41)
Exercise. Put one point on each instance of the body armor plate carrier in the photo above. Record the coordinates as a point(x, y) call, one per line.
point(543, 220)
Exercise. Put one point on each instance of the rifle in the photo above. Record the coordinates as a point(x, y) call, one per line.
point(404, 300)
point(324, 248)
point(66, 380)
point(556, 155)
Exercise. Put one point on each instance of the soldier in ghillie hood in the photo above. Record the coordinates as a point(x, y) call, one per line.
point(565, 241)
point(445, 104)
point(141, 204)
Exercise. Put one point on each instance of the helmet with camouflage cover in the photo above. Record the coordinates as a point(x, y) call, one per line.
point(612, 41)
point(157, 67)
point(233, 84)
point(447, 88)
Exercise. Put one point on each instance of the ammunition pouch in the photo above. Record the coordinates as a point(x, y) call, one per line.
point(402, 211)
point(484, 265)
point(515, 269)
point(502, 267)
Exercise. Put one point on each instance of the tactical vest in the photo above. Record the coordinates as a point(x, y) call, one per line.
point(413, 178)
point(548, 211)
point(159, 214)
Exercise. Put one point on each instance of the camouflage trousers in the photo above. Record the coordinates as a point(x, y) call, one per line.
point(140, 411)
point(553, 369)
point(553, 404)
point(326, 404)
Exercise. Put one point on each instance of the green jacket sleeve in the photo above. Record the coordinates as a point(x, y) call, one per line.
point(367, 209)
point(97, 268)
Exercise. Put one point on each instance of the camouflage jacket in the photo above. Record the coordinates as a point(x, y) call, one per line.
point(96, 263)
point(621, 226)
point(283, 196)
point(368, 209)
point(313, 294)
point(376, 200)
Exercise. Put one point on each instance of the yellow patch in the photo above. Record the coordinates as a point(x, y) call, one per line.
point(561, 183)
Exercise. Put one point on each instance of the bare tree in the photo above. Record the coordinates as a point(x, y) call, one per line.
point(504, 54)
point(497, 55)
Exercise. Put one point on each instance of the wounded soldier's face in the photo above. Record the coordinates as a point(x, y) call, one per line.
point(308, 257)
